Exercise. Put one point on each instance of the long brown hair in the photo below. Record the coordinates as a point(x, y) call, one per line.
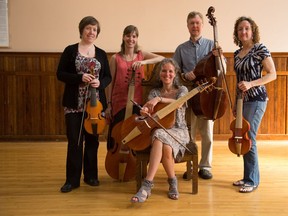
point(128, 30)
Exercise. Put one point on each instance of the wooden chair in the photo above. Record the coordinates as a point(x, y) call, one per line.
point(191, 159)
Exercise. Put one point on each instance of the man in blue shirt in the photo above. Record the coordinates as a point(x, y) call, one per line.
point(187, 55)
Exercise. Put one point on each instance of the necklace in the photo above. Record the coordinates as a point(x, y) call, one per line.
point(89, 49)
point(168, 93)
point(126, 60)
point(86, 50)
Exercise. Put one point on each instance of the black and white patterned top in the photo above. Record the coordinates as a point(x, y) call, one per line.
point(250, 68)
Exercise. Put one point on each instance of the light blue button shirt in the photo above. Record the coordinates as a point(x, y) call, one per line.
point(188, 54)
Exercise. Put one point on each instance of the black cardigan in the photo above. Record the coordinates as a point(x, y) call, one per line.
point(67, 73)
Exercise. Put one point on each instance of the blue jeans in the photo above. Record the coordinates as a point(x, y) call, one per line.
point(253, 113)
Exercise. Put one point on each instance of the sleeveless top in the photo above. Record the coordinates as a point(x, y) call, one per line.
point(122, 80)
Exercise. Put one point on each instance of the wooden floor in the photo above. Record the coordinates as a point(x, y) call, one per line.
point(31, 175)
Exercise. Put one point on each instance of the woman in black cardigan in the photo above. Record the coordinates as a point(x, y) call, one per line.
point(74, 70)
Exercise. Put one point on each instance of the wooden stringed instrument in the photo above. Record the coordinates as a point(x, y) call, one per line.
point(136, 131)
point(120, 162)
point(94, 122)
point(211, 104)
point(239, 143)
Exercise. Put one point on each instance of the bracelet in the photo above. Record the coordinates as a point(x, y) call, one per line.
point(160, 98)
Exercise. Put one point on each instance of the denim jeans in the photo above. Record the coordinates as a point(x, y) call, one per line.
point(253, 113)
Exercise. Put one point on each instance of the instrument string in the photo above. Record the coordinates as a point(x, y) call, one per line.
point(161, 126)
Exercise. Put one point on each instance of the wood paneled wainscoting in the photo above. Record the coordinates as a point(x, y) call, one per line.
point(31, 98)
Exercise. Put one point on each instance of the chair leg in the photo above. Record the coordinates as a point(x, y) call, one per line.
point(141, 171)
point(144, 168)
point(189, 169)
point(195, 175)
point(138, 173)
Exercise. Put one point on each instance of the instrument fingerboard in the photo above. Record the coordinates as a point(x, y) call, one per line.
point(173, 106)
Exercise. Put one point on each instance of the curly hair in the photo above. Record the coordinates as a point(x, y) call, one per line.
point(255, 30)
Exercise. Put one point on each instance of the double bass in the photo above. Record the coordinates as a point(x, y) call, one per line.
point(211, 104)
point(120, 162)
point(239, 143)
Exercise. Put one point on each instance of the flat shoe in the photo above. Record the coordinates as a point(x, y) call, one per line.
point(92, 182)
point(247, 188)
point(67, 187)
point(238, 183)
point(205, 174)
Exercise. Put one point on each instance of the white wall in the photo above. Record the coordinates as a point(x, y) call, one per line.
point(50, 25)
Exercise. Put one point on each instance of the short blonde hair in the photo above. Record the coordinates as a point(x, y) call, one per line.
point(194, 14)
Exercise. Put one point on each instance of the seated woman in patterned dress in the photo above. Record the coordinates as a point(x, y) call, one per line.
point(163, 147)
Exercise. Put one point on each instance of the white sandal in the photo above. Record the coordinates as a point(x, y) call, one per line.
point(247, 188)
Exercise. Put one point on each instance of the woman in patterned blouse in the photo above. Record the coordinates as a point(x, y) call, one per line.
point(82, 66)
point(249, 61)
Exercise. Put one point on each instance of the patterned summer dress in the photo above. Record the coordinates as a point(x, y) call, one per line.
point(179, 130)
